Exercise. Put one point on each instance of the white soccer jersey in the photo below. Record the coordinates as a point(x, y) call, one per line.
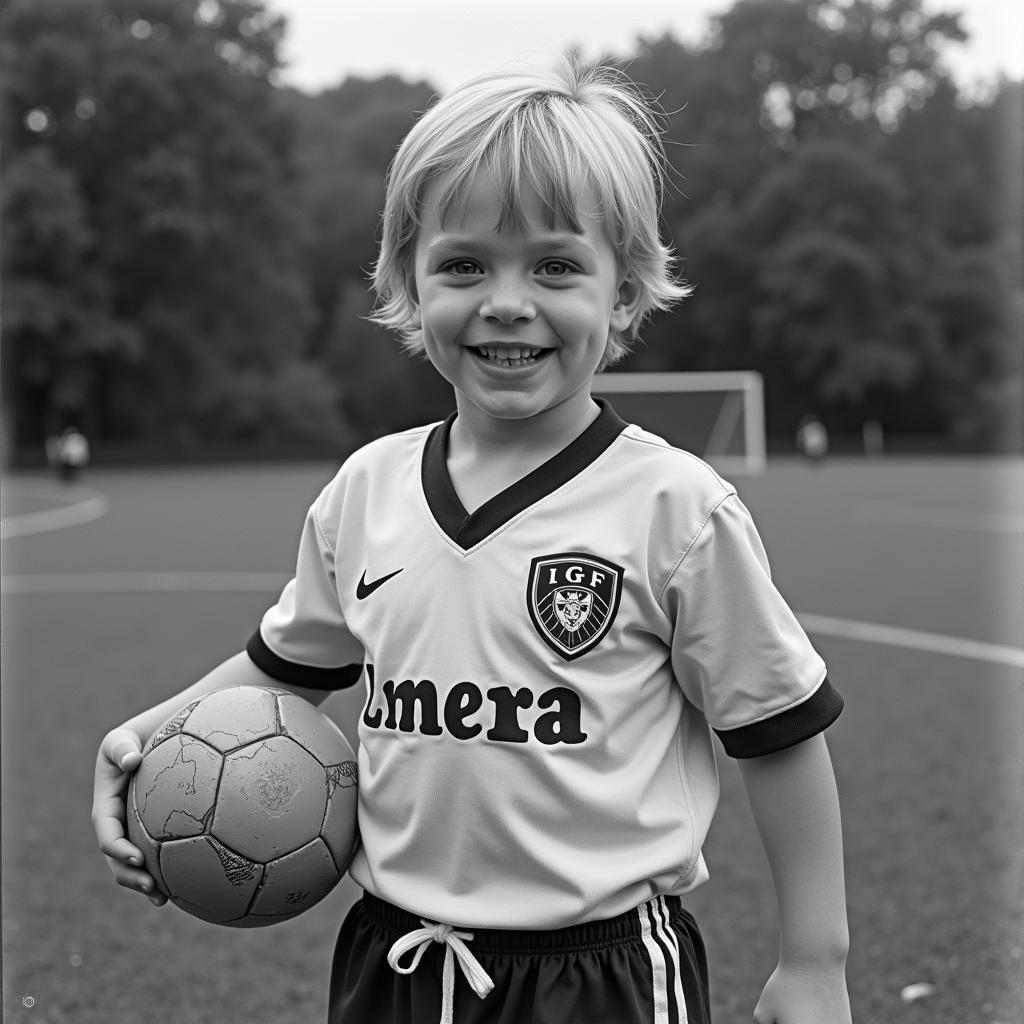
point(542, 676)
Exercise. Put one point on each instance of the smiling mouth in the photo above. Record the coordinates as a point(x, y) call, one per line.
point(510, 355)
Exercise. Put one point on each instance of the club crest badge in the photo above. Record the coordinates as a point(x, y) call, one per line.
point(573, 598)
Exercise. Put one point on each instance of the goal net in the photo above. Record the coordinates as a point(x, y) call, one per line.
point(718, 416)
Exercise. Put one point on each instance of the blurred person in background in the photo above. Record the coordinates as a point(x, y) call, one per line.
point(68, 453)
point(812, 439)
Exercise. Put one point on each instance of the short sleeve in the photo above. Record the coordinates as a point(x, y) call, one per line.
point(303, 639)
point(738, 651)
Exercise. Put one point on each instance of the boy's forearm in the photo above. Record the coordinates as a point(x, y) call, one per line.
point(796, 808)
point(238, 670)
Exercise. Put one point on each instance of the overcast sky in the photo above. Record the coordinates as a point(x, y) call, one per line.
point(448, 42)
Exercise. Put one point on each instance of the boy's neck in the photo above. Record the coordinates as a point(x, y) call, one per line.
point(477, 436)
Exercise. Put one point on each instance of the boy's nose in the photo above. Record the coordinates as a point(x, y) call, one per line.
point(506, 303)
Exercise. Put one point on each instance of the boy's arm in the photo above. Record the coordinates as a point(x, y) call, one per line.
point(120, 754)
point(793, 797)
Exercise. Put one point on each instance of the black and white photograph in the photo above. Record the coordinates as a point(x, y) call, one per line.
point(512, 513)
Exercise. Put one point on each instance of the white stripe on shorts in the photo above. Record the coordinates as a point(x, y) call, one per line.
point(663, 950)
point(673, 945)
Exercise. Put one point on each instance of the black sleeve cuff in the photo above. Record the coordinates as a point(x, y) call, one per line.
point(300, 675)
point(787, 728)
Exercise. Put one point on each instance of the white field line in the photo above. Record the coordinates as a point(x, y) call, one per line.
point(269, 582)
point(913, 639)
point(90, 506)
point(140, 582)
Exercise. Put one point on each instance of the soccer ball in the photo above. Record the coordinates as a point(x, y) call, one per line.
point(244, 806)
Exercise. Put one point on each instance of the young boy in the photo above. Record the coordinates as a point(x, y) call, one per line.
point(550, 611)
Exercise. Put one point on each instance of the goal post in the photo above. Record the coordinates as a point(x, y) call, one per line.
point(716, 415)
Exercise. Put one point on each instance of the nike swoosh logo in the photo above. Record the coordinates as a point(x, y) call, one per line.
point(364, 589)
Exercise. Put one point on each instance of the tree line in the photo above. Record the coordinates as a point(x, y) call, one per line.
point(186, 245)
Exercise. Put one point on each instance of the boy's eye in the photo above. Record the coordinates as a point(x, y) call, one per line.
point(556, 268)
point(461, 267)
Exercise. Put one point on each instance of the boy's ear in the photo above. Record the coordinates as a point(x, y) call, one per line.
point(627, 301)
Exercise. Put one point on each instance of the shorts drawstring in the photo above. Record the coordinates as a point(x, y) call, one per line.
point(479, 980)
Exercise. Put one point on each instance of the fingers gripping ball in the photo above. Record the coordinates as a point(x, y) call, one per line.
point(244, 806)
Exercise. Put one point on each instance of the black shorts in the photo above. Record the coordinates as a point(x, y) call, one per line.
point(646, 966)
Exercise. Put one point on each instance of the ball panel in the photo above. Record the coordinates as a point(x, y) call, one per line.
point(314, 730)
point(245, 921)
point(205, 915)
point(340, 829)
point(138, 835)
point(293, 883)
point(208, 877)
point(176, 787)
point(170, 728)
point(273, 798)
point(231, 718)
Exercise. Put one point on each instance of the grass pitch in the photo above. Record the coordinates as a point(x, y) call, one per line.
point(928, 753)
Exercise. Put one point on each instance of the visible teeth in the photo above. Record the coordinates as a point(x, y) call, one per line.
point(509, 355)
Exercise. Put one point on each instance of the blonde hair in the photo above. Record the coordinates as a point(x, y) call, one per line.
point(559, 133)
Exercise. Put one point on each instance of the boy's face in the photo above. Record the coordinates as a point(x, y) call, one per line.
point(516, 320)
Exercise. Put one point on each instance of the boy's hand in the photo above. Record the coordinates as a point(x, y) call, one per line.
point(805, 993)
point(119, 755)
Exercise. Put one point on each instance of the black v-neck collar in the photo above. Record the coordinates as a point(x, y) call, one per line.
point(469, 528)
